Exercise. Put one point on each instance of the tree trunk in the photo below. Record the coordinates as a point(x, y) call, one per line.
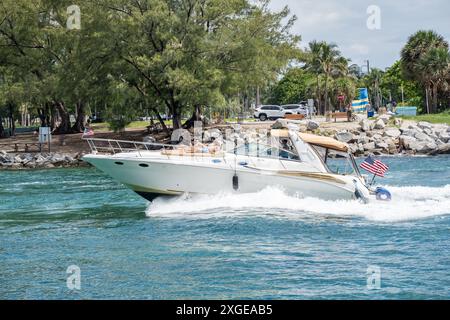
point(53, 117)
point(319, 105)
point(44, 116)
point(2, 129)
point(161, 121)
point(79, 122)
point(12, 120)
point(64, 126)
point(427, 97)
point(176, 116)
point(196, 116)
point(435, 99)
point(326, 94)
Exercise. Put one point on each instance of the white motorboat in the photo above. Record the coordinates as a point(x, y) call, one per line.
point(301, 164)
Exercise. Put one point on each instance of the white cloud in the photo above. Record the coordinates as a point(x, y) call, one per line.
point(344, 23)
point(359, 49)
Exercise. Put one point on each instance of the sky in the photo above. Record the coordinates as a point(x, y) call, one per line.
point(345, 22)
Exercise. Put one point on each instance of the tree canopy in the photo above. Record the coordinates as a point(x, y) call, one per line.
point(166, 56)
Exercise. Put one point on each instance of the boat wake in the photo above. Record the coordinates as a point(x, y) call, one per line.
point(409, 203)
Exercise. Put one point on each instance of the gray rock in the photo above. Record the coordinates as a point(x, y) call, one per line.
point(369, 146)
point(280, 124)
point(18, 159)
point(414, 127)
point(377, 137)
point(382, 146)
point(365, 125)
point(344, 136)
point(385, 118)
point(392, 147)
point(150, 139)
point(409, 132)
point(398, 122)
point(444, 136)
point(444, 149)
point(377, 152)
point(71, 159)
point(360, 148)
point(407, 142)
point(427, 131)
point(423, 146)
point(424, 125)
point(363, 139)
point(353, 148)
point(380, 124)
point(6, 159)
point(312, 125)
point(423, 137)
point(392, 133)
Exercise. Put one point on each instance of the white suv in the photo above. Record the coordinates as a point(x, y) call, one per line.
point(295, 109)
point(269, 112)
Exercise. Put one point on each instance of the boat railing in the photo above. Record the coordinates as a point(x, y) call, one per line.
point(111, 146)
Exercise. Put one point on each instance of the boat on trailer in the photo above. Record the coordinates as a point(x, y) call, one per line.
point(303, 165)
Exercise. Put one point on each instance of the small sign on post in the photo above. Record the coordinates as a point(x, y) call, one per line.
point(45, 137)
point(310, 107)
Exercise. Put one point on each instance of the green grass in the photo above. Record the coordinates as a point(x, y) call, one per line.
point(443, 117)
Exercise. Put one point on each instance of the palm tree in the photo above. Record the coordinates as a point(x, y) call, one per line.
point(333, 65)
point(313, 66)
point(416, 55)
point(435, 66)
point(372, 81)
point(345, 86)
point(326, 59)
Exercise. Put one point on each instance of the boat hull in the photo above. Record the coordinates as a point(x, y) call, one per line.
point(152, 178)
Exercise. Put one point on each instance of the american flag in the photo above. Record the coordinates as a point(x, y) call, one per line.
point(375, 167)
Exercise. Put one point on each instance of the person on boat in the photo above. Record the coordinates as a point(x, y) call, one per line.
point(284, 150)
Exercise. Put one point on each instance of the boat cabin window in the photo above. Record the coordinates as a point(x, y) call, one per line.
point(337, 162)
point(340, 164)
point(285, 151)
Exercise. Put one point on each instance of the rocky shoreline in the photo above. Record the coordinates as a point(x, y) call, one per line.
point(383, 136)
point(386, 135)
point(20, 161)
point(390, 136)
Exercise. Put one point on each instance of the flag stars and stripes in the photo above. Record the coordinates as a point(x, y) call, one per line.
point(375, 167)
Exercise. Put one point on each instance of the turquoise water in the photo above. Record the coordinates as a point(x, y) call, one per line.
point(265, 245)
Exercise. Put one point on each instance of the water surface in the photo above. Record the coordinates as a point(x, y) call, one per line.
point(265, 245)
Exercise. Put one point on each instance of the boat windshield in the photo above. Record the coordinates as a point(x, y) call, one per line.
point(264, 151)
point(338, 162)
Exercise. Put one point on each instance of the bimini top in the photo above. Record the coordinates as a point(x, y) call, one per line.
point(324, 142)
point(313, 139)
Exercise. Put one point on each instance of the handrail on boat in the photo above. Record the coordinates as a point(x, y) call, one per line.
point(98, 145)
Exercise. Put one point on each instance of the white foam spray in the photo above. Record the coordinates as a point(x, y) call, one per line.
point(409, 203)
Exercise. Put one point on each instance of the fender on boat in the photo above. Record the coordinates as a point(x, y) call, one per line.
point(383, 194)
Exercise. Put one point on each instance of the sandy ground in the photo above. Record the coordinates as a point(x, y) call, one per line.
point(70, 144)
